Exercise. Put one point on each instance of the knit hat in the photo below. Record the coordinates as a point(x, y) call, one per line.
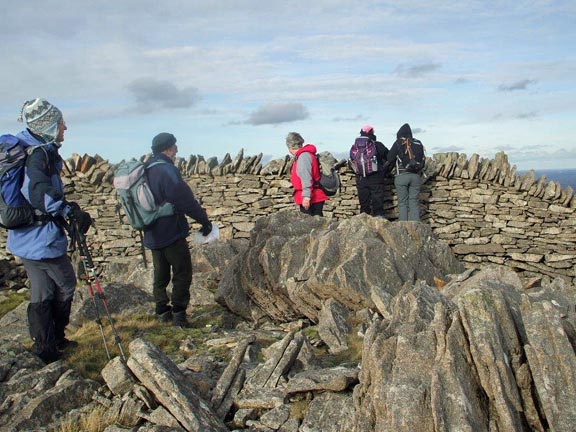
point(367, 129)
point(294, 140)
point(162, 141)
point(41, 117)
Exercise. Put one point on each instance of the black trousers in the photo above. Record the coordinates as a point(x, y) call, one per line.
point(52, 286)
point(314, 209)
point(172, 263)
point(371, 194)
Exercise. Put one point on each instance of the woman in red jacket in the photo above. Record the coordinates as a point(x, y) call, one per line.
point(305, 176)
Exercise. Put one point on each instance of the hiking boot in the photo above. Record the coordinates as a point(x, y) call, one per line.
point(165, 317)
point(179, 319)
point(65, 343)
point(49, 356)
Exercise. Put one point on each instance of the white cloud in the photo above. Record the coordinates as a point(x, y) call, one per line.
point(154, 95)
point(275, 113)
point(517, 85)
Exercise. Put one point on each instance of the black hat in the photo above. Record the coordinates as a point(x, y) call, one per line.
point(162, 141)
point(404, 132)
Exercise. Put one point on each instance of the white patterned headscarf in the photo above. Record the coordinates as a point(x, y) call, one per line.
point(41, 117)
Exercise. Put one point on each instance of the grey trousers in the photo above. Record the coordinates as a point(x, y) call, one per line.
point(50, 279)
point(52, 286)
point(408, 191)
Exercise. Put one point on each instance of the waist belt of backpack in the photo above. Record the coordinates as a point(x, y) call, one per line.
point(42, 218)
point(404, 170)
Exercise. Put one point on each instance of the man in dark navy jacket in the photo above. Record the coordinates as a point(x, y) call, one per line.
point(166, 237)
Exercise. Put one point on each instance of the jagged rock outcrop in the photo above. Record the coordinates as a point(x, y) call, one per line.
point(467, 358)
point(161, 376)
point(34, 395)
point(294, 263)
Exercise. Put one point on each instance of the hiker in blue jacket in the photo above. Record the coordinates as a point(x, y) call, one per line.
point(42, 246)
point(166, 237)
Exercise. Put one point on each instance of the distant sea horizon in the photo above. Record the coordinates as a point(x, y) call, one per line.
point(566, 177)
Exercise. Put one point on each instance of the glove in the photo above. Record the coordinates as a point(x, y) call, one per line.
point(206, 229)
point(82, 219)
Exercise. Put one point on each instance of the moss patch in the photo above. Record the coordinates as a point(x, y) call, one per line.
point(11, 301)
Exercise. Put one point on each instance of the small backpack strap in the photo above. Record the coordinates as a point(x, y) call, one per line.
point(156, 162)
point(406, 142)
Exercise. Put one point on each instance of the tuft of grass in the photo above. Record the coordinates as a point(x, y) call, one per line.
point(11, 301)
point(311, 333)
point(351, 356)
point(97, 420)
point(299, 408)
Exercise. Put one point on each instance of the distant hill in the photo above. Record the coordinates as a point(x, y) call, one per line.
point(566, 177)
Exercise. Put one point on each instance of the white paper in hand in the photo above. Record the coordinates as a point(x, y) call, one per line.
point(212, 237)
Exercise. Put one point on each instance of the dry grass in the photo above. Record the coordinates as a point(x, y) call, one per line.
point(96, 421)
point(90, 356)
point(299, 408)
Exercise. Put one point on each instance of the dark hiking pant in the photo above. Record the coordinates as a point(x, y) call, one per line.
point(314, 209)
point(52, 286)
point(172, 263)
point(371, 194)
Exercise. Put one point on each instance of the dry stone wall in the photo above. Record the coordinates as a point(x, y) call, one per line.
point(480, 207)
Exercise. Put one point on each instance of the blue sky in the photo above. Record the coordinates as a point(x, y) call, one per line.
point(223, 75)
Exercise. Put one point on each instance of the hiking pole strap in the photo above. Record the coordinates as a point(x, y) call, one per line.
point(80, 240)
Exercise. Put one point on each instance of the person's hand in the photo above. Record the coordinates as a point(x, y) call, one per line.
point(82, 219)
point(206, 229)
point(306, 203)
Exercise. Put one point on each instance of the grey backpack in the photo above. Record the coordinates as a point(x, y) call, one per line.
point(134, 195)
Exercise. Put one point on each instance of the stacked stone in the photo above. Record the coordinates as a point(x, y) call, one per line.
point(489, 214)
point(481, 207)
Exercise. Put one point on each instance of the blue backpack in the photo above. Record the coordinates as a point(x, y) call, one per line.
point(15, 211)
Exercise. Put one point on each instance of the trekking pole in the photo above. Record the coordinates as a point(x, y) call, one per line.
point(92, 281)
point(142, 249)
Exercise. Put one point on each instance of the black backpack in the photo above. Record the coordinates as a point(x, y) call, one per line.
point(412, 157)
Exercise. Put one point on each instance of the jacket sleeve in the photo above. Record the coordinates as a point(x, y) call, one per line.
point(382, 151)
point(392, 154)
point(173, 189)
point(304, 171)
point(391, 157)
point(40, 186)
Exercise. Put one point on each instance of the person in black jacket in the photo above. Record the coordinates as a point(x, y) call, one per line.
point(166, 237)
point(371, 188)
point(407, 180)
